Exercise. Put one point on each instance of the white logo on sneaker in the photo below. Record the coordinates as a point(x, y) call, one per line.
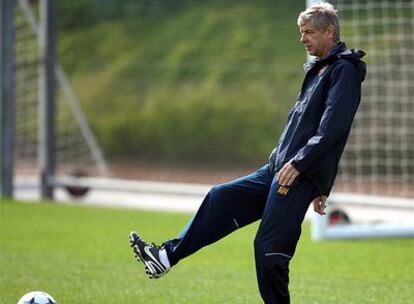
point(154, 261)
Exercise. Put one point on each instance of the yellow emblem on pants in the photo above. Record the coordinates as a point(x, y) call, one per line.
point(283, 190)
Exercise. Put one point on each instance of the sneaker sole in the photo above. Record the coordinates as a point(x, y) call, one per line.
point(138, 255)
point(135, 247)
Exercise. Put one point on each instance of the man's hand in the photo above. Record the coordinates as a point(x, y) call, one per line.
point(287, 175)
point(319, 204)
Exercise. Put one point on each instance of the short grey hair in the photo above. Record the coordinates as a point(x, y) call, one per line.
point(321, 15)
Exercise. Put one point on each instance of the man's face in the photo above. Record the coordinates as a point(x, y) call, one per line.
point(317, 43)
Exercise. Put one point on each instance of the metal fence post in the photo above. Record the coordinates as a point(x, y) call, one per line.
point(6, 98)
point(47, 92)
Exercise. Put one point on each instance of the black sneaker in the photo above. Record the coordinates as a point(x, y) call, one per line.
point(149, 255)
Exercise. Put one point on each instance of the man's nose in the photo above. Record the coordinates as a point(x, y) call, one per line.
point(302, 38)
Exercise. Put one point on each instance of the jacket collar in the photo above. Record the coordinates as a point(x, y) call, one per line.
point(333, 54)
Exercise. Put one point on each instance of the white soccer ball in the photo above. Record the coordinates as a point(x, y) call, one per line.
point(37, 297)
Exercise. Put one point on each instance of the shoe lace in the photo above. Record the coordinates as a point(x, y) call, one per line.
point(151, 244)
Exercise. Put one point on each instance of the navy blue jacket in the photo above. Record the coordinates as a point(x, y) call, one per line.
point(319, 124)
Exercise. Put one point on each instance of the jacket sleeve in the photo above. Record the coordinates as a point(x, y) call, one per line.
point(341, 104)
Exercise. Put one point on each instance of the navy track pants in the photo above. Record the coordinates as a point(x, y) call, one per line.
point(230, 206)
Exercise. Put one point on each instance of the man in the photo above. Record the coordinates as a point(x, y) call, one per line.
point(301, 169)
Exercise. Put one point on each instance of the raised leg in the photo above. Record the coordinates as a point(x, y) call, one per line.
point(226, 208)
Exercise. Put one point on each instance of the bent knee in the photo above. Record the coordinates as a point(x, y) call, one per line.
point(282, 250)
point(218, 191)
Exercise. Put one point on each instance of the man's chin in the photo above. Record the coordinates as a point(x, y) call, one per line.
point(312, 54)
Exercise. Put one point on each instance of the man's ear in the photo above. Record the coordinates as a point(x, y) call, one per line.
point(331, 31)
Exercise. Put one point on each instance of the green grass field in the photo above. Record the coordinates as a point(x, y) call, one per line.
point(81, 255)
